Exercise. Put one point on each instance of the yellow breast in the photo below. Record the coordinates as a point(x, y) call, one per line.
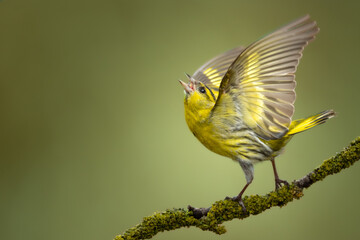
point(225, 137)
point(211, 136)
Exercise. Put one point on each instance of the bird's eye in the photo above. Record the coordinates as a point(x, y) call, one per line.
point(202, 90)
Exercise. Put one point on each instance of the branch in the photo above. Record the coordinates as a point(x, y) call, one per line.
point(210, 219)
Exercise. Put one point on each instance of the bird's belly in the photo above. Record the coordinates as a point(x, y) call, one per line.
point(244, 145)
point(215, 144)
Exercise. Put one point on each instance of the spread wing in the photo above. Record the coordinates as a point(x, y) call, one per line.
point(212, 72)
point(259, 86)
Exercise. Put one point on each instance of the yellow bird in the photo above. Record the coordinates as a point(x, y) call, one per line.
point(240, 104)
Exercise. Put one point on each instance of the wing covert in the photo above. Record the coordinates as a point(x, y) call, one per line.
point(213, 71)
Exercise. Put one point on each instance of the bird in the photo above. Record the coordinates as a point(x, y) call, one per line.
point(240, 104)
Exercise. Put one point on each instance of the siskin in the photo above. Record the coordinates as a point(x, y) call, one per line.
point(240, 104)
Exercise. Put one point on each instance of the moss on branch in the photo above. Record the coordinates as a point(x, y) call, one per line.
point(210, 219)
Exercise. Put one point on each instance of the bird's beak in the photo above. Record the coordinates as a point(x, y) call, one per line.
point(189, 88)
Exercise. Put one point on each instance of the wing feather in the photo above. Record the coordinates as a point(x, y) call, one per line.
point(260, 83)
point(213, 71)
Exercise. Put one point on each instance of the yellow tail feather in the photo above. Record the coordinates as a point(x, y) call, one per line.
point(304, 124)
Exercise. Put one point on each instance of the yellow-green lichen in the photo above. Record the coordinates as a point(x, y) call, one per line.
point(341, 161)
point(226, 210)
point(220, 212)
point(159, 222)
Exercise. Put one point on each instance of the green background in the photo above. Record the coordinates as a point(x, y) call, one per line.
point(92, 130)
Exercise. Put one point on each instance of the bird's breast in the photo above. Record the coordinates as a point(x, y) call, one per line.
point(233, 141)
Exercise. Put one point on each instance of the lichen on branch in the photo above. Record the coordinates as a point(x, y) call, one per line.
point(210, 219)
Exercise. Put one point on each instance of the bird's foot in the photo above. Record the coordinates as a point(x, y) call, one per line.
point(238, 200)
point(279, 182)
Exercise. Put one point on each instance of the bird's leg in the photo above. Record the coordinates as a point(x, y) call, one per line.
point(249, 175)
point(278, 181)
point(238, 198)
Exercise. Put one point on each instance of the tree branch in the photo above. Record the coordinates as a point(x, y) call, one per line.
point(210, 219)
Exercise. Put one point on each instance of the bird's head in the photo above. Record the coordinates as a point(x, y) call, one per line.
point(198, 96)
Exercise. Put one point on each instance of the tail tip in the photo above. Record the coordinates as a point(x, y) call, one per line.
point(330, 113)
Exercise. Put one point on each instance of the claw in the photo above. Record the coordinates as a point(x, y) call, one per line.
point(238, 200)
point(278, 183)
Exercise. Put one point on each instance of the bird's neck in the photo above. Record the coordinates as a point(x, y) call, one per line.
point(196, 118)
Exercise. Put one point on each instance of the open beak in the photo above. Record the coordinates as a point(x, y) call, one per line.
point(189, 88)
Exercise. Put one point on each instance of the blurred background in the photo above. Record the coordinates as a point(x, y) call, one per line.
point(93, 136)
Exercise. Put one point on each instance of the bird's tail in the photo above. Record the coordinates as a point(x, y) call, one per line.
point(304, 124)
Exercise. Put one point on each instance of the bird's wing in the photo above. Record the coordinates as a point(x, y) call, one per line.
point(212, 72)
point(259, 87)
